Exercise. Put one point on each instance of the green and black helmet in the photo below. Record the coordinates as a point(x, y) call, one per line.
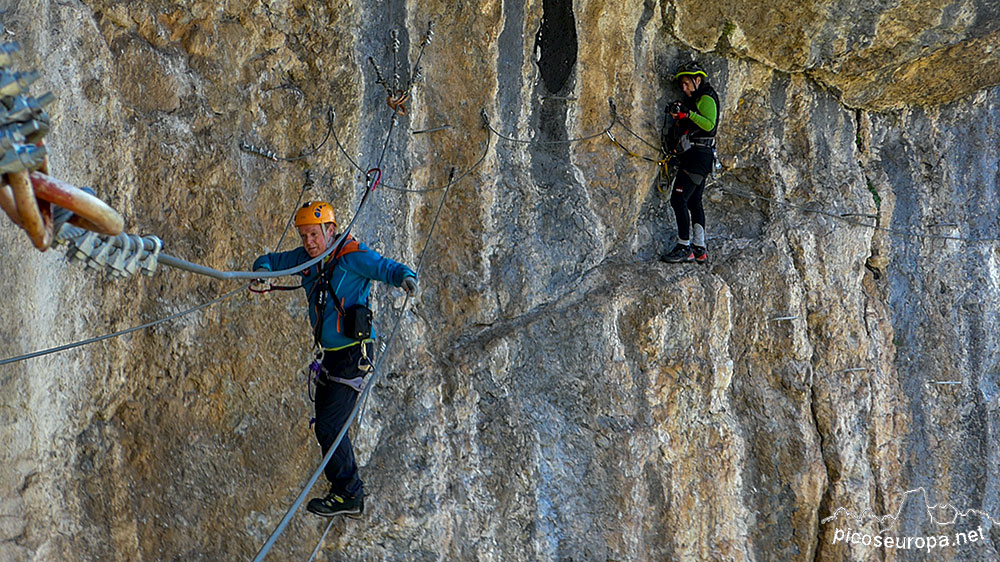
point(690, 69)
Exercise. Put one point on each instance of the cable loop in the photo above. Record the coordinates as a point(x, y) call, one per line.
point(486, 122)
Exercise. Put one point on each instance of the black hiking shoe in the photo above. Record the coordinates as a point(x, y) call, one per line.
point(700, 254)
point(680, 253)
point(335, 503)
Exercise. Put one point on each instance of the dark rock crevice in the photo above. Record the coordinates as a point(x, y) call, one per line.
point(555, 44)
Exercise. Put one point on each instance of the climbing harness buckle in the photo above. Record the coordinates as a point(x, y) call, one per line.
point(318, 375)
point(365, 366)
point(357, 383)
point(314, 374)
point(365, 362)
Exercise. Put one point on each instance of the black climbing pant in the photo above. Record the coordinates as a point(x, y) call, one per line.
point(695, 165)
point(334, 402)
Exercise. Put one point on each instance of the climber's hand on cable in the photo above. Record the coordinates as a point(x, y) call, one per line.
point(409, 285)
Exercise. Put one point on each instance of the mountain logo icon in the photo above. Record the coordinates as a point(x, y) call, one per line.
point(940, 514)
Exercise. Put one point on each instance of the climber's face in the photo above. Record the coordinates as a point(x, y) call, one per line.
point(313, 239)
point(689, 84)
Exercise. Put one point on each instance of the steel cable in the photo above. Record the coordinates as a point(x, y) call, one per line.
point(122, 332)
point(270, 155)
point(387, 185)
point(321, 539)
point(149, 324)
point(614, 119)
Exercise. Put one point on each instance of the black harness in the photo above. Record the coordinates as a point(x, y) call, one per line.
point(357, 319)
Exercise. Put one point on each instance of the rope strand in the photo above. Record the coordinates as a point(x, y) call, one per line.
point(391, 187)
point(614, 119)
point(636, 135)
point(122, 332)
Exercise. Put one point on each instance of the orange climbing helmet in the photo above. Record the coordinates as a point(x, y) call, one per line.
point(315, 212)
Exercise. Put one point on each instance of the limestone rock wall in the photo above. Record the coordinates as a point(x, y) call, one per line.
point(556, 393)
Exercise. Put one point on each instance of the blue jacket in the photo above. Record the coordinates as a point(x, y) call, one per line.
point(357, 267)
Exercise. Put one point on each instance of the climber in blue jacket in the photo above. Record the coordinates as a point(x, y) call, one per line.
point(338, 289)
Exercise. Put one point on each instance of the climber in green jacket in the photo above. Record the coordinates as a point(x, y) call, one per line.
point(689, 136)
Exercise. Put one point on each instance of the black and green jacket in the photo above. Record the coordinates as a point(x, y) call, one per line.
point(702, 121)
point(705, 113)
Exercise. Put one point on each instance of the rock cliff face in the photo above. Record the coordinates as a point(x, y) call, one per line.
point(557, 393)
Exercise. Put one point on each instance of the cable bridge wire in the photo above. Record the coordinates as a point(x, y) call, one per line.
point(614, 119)
point(127, 331)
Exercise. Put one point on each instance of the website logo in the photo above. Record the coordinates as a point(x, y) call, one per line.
point(916, 525)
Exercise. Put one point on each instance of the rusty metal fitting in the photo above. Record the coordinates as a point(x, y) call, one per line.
point(397, 103)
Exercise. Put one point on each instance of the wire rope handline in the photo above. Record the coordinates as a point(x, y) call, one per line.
point(321, 539)
point(391, 187)
point(614, 119)
point(127, 331)
point(376, 372)
point(638, 136)
point(660, 161)
point(122, 332)
point(663, 164)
